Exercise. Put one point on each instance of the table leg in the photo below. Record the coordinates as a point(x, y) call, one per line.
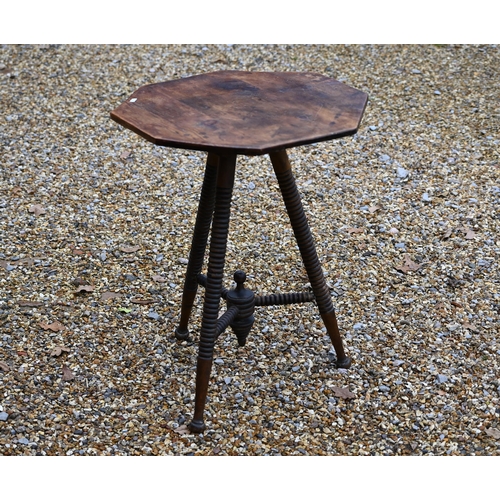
point(307, 249)
point(198, 245)
point(213, 289)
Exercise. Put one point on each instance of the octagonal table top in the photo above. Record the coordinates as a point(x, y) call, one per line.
point(243, 112)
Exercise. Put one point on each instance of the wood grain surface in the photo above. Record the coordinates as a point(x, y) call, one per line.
point(243, 112)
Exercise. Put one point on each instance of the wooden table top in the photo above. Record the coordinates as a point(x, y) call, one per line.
point(243, 112)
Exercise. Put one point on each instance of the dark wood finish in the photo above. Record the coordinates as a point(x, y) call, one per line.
point(243, 112)
point(303, 235)
point(244, 300)
point(228, 113)
point(213, 288)
point(198, 244)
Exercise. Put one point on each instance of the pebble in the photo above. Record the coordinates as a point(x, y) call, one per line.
point(3, 416)
point(402, 172)
point(441, 379)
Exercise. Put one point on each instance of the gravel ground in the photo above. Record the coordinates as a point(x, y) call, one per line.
point(95, 228)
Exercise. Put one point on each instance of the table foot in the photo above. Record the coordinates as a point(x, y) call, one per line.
point(181, 334)
point(197, 426)
point(330, 321)
point(203, 369)
point(344, 362)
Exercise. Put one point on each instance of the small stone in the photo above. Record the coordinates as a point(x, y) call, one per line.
point(426, 197)
point(437, 92)
point(80, 282)
point(219, 361)
point(182, 260)
point(3, 416)
point(372, 127)
point(385, 158)
point(130, 277)
point(402, 172)
point(23, 441)
point(358, 326)
point(153, 315)
point(383, 388)
point(440, 379)
point(227, 380)
point(251, 185)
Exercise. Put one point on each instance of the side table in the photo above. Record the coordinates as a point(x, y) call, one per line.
point(230, 113)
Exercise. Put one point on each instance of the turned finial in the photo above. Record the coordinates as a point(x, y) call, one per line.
point(240, 278)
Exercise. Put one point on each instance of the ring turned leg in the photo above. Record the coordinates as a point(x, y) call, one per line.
point(198, 245)
point(213, 288)
point(307, 249)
